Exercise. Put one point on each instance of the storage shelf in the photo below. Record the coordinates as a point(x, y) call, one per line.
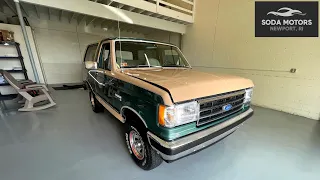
point(15, 70)
point(8, 43)
point(10, 57)
point(4, 84)
point(13, 57)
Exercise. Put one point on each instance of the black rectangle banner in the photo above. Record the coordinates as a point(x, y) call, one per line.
point(286, 19)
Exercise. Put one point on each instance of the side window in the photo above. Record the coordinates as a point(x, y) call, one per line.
point(104, 57)
point(171, 57)
point(91, 50)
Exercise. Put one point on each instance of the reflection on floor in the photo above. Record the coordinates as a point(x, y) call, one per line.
point(70, 142)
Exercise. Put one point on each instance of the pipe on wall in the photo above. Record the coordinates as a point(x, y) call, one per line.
point(26, 39)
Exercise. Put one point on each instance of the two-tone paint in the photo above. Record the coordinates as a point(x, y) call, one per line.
point(142, 92)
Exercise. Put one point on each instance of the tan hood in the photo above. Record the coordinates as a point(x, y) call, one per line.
point(186, 84)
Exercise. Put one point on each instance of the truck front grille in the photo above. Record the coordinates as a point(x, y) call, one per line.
point(211, 109)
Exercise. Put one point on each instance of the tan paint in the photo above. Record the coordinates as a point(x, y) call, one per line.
point(110, 109)
point(116, 73)
point(187, 84)
point(183, 84)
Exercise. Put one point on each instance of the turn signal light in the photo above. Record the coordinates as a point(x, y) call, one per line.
point(161, 112)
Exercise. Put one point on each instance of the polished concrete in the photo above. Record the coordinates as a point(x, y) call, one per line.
point(70, 142)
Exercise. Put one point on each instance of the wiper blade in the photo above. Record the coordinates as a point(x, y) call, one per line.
point(176, 66)
point(137, 66)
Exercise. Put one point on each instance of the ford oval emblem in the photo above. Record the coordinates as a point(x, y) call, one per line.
point(227, 107)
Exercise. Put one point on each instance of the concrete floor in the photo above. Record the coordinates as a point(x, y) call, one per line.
point(70, 142)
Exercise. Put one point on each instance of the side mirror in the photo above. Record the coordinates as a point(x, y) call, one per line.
point(91, 65)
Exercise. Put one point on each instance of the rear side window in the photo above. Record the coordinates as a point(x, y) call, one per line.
point(91, 50)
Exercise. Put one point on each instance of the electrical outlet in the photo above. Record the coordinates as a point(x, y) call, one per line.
point(293, 70)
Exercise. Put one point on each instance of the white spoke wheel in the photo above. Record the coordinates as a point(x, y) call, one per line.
point(136, 144)
point(139, 148)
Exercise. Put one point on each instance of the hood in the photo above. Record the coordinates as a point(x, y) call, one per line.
point(187, 84)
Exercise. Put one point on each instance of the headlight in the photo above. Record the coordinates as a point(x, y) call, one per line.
point(178, 114)
point(248, 95)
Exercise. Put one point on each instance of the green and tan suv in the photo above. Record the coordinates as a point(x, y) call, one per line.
point(169, 110)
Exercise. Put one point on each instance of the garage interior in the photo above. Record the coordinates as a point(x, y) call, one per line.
point(70, 141)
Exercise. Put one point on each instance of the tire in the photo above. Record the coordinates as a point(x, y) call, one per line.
point(85, 86)
point(95, 104)
point(148, 158)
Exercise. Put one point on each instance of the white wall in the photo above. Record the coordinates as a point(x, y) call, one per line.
point(222, 40)
point(62, 46)
point(164, 36)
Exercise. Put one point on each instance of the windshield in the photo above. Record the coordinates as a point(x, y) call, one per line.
point(132, 54)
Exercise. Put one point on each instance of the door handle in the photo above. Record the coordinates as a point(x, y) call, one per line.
point(109, 83)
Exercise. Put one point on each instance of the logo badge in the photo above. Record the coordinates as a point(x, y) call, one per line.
point(286, 19)
point(286, 12)
point(227, 107)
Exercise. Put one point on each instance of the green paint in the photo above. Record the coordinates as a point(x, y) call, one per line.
point(183, 130)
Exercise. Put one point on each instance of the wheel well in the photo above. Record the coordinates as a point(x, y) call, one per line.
point(131, 116)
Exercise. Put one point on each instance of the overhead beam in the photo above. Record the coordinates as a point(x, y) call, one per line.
point(83, 19)
point(24, 11)
point(110, 2)
point(1, 8)
point(90, 21)
point(79, 18)
point(112, 13)
point(97, 22)
point(10, 7)
point(121, 6)
point(72, 16)
point(49, 13)
point(150, 13)
point(131, 8)
point(37, 11)
point(60, 15)
point(103, 21)
point(141, 11)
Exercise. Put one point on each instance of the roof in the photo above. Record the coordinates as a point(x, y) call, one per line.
point(138, 39)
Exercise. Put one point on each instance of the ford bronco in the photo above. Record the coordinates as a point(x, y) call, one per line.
point(169, 110)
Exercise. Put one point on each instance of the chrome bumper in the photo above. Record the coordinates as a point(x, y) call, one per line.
point(176, 149)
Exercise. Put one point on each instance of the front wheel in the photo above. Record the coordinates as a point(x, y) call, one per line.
point(139, 148)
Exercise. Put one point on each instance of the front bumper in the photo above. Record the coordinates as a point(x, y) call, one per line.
point(179, 148)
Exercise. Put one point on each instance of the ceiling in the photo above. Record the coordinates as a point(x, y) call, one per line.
point(8, 9)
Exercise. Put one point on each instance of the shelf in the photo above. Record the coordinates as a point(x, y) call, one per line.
point(9, 57)
point(15, 71)
point(13, 57)
point(4, 84)
point(19, 80)
point(8, 43)
point(7, 96)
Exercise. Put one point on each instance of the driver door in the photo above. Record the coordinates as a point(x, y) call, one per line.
point(103, 75)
